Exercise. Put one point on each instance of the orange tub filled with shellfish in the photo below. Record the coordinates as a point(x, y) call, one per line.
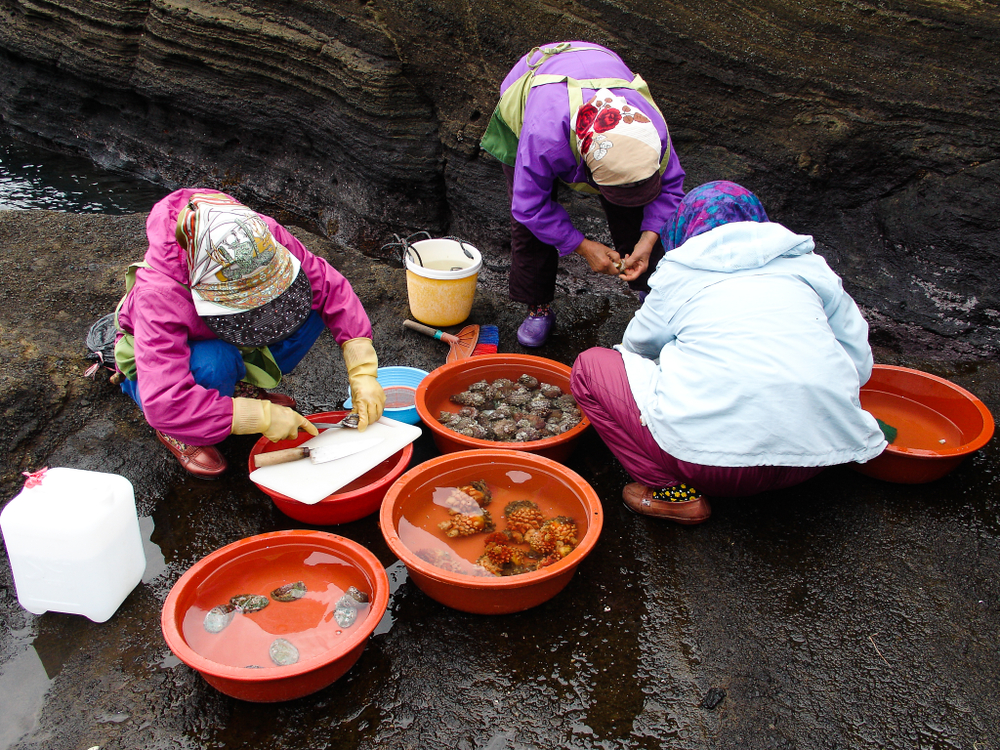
point(502, 401)
point(491, 531)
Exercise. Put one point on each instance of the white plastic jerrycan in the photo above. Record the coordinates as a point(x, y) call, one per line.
point(74, 542)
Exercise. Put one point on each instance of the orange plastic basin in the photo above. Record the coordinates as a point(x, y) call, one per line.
point(436, 389)
point(236, 659)
point(409, 518)
point(938, 424)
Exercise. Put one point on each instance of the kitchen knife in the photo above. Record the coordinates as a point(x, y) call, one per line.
point(317, 455)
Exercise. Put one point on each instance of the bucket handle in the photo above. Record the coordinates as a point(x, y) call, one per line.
point(407, 247)
point(462, 243)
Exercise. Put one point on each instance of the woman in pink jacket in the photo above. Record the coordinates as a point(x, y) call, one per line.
point(225, 302)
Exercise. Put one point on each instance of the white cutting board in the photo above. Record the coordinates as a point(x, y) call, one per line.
point(309, 483)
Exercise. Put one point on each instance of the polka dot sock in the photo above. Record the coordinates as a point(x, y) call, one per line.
point(679, 493)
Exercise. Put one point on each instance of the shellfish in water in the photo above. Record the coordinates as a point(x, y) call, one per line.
point(357, 595)
point(506, 404)
point(289, 592)
point(467, 524)
point(248, 603)
point(345, 614)
point(345, 611)
point(218, 617)
point(283, 652)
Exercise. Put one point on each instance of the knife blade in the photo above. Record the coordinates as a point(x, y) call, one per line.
point(316, 454)
point(348, 422)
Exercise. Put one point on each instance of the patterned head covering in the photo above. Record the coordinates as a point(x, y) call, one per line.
point(708, 206)
point(621, 147)
point(245, 286)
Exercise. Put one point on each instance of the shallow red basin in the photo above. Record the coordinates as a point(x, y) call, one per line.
point(938, 424)
point(409, 518)
point(235, 660)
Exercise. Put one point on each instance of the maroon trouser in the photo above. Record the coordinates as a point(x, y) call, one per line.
point(601, 389)
point(534, 264)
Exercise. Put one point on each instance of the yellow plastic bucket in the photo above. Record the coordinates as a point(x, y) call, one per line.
point(441, 276)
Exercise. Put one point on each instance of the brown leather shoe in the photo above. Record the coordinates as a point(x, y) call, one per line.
point(245, 390)
point(639, 499)
point(203, 461)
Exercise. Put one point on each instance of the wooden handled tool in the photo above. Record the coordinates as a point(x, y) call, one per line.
point(462, 344)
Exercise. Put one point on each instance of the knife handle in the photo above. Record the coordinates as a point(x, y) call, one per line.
point(279, 457)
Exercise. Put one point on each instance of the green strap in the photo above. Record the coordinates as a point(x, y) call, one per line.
point(129, 283)
point(262, 370)
point(504, 127)
point(125, 346)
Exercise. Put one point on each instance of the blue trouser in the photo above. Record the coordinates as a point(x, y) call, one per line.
point(219, 365)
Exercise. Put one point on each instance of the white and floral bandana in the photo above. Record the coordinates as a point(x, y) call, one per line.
point(234, 262)
point(244, 284)
point(618, 142)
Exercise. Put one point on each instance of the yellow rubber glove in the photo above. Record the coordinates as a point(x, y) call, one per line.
point(275, 422)
point(366, 391)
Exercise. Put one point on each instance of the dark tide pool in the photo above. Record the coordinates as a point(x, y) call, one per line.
point(35, 178)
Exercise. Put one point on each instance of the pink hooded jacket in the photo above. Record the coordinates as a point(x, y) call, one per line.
point(159, 313)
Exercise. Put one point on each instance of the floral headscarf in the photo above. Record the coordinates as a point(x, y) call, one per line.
point(708, 206)
point(621, 148)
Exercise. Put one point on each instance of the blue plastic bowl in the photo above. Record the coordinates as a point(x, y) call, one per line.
point(400, 385)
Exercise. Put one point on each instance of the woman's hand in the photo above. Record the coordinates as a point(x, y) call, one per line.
point(251, 415)
point(637, 261)
point(600, 258)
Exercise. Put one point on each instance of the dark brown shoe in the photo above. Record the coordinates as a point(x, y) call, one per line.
point(245, 390)
point(639, 499)
point(203, 461)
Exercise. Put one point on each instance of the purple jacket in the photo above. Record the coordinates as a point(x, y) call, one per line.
point(544, 154)
point(160, 315)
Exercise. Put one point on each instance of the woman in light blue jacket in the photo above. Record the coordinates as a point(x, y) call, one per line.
point(741, 371)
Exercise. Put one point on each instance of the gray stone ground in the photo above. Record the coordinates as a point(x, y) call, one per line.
point(844, 613)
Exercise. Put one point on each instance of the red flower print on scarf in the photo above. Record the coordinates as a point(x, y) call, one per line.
point(607, 119)
point(585, 143)
point(584, 119)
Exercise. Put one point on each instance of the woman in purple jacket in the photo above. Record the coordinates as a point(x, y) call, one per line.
point(226, 301)
point(574, 113)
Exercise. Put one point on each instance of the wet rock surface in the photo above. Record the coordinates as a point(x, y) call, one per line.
point(868, 124)
point(845, 612)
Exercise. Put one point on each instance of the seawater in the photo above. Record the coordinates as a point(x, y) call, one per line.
point(36, 178)
point(446, 265)
point(307, 623)
point(917, 426)
point(419, 525)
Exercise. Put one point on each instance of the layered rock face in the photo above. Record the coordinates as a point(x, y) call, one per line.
point(871, 125)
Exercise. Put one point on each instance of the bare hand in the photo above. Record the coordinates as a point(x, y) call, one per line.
point(600, 258)
point(637, 261)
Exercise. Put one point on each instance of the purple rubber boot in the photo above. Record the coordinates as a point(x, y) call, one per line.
point(535, 329)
